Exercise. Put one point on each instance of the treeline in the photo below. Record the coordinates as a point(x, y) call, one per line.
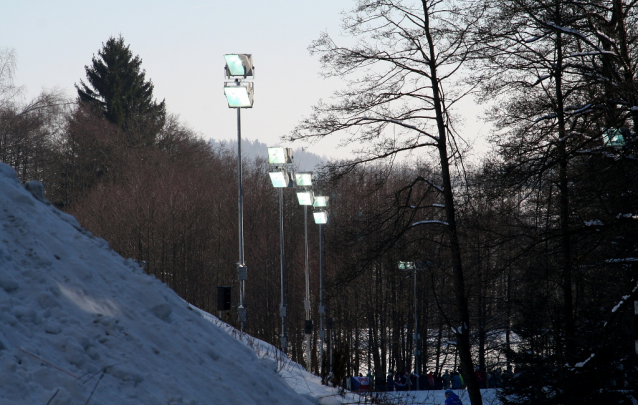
point(538, 240)
point(546, 225)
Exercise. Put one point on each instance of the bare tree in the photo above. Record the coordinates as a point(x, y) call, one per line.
point(561, 75)
point(28, 130)
point(401, 76)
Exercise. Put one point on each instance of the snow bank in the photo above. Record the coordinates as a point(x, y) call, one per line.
point(79, 324)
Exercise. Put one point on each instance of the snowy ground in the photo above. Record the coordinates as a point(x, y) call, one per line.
point(81, 325)
point(310, 385)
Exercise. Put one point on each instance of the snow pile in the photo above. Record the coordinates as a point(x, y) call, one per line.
point(293, 373)
point(81, 325)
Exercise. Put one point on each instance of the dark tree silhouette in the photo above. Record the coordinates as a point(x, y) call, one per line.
point(118, 88)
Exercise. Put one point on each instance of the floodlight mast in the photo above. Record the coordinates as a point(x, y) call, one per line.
point(414, 267)
point(305, 197)
point(321, 204)
point(281, 159)
point(240, 66)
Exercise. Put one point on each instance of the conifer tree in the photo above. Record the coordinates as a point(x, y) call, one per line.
point(117, 88)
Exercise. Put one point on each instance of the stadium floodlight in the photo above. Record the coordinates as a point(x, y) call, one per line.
point(406, 266)
point(320, 201)
point(281, 178)
point(305, 197)
point(303, 179)
point(321, 217)
point(614, 137)
point(279, 156)
point(239, 65)
point(239, 95)
point(411, 266)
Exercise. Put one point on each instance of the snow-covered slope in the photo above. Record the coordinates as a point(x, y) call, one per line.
point(79, 324)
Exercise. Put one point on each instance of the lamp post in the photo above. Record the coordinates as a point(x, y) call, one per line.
point(321, 217)
point(330, 327)
point(240, 95)
point(306, 198)
point(281, 177)
point(411, 266)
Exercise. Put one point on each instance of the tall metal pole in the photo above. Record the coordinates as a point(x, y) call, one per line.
point(282, 308)
point(410, 266)
point(416, 336)
point(330, 337)
point(241, 267)
point(307, 301)
point(321, 308)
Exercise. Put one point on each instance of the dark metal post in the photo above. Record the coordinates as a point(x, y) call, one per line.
point(321, 307)
point(307, 300)
point(241, 266)
point(282, 308)
point(416, 336)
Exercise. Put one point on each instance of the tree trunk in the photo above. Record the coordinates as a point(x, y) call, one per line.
point(462, 330)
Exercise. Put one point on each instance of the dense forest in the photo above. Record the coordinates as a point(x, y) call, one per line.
point(526, 262)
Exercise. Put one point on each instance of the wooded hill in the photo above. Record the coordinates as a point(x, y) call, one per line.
point(536, 242)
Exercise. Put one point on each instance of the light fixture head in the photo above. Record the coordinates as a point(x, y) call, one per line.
point(614, 137)
point(303, 179)
point(320, 201)
point(239, 95)
point(281, 178)
point(279, 156)
point(239, 65)
point(321, 217)
point(406, 265)
point(305, 197)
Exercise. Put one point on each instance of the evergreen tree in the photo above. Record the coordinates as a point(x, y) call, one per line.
point(117, 88)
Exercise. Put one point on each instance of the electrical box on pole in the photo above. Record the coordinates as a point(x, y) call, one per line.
point(223, 298)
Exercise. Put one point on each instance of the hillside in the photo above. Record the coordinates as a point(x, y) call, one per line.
point(304, 160)
point(79, 324)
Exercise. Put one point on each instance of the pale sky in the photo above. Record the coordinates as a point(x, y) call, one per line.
point(182, 44)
